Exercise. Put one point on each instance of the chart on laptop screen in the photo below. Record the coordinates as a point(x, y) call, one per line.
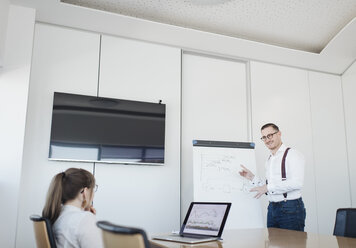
point(205, 219)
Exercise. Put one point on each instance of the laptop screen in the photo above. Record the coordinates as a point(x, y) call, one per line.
point(205, 218)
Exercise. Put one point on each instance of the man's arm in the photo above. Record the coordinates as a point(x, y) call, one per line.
point(246, 173)
point(256, 183)
point(260, 190)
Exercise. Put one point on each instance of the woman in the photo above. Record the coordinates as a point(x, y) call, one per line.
point(68, 207)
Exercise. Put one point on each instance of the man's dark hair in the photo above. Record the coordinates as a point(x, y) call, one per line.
point(274, 126)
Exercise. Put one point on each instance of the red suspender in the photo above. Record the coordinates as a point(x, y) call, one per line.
point(284, 169)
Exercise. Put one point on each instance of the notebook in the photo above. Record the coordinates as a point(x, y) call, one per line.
point(203, 222)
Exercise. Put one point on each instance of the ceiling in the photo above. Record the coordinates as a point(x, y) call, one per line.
point(318, 35)
point(306, 25)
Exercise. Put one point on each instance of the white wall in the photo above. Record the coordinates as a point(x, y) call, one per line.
point(281, 95)
point(329, 148)
point(4, 13)
point(349, 90)
point(137, 195)
point(308, 107)
point(214, 107)
point(67, 60)
point(14, 83)
point(64, 60)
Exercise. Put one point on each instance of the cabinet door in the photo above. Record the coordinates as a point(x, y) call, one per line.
point(64, 60)
point(281, 95)
point(214, 107)
point(136, 195)
point(349, 89)
point(329, 146)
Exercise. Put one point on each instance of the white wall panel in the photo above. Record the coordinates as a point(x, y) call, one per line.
point(329, 147)
point(214, 107)
point(64, 60)
point(4, 12)
point(14, 83)
point(281, 95)
point(136, 195)
point(349, 91)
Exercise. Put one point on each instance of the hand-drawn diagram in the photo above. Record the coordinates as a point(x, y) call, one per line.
point(216, 178)
point(220, 173)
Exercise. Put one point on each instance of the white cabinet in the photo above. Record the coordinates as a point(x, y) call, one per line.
point(137, 195)
point(64, 60)
point(329, 148)
point(349, 92)
point(281, 95)
point(214, 107)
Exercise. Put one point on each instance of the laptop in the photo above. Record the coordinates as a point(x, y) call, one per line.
point(203, 222)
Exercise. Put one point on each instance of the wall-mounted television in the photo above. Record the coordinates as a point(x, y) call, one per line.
point(98, 129)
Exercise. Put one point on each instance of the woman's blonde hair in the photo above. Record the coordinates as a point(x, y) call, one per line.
point(65, 186)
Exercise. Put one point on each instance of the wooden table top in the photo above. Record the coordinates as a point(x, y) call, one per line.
point(266, 237)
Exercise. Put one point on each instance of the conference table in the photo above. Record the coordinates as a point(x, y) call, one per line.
point(265, 237)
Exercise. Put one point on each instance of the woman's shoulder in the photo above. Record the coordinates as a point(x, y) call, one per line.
point(75, 214)
point(88, 217)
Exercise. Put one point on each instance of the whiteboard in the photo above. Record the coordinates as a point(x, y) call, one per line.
point(216, 178)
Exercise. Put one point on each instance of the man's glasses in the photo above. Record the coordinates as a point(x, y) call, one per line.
point(268, 136)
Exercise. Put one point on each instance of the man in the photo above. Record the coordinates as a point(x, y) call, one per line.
point(286, 208)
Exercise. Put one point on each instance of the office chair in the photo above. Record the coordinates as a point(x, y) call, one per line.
point(345, 223)
point(43, 232)
point(122, 237)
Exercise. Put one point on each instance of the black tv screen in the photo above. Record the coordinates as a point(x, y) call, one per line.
point(97, 129)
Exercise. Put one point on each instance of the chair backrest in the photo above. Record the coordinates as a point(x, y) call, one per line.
point(345, 223)
point(43, 232)
point(115, 236)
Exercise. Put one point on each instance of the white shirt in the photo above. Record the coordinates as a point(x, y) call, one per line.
point(294, 163)
point(76, 228)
